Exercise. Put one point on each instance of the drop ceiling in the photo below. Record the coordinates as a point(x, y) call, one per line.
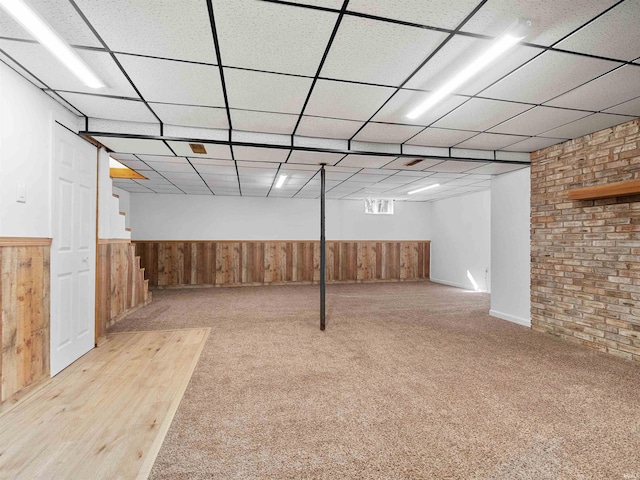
point(277, 87)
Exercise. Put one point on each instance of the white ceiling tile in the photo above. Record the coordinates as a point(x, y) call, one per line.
point(440, 137)
point(615, 34)
point(197, 191)
point(365, 178)
point(381, 173)
point(459, 52)
point(445, 62)
point(163, 159)
point(134, 145)
point(396, 109)
point(259, 154)
point(547, 76)
point(480, 114)
point(4, 58)
point(216, 169)
point(302, 169)
point(386, 133)
point(256, 165)
point(266, 91)
point(434, 13)
point(370, 51)
point(264, 122)
point(179, 30)
point(590, 124)
point(226, 181)
point(346, 100)
point(551, 19)
point(462, 181)
point(152, 175)
point(110, 108)
point(402, 162)
point(327, 127)
point(491, 141)
point(314, 158)
point(537, 120)
point(274, 37)
point(497, 168)
point(604, 92)
point(163, 167)
point(213, 151)
point(339, 176)
point(632, 107)
point(181, 180)
point(455, 166)
point(174, 82)
point(365, 161)
point(394, 180)
point(60, 15)
point(188, 116)
point(416, 173)
point(136, 165)
point(335, 4)
point(535, 143)
point(48, 69)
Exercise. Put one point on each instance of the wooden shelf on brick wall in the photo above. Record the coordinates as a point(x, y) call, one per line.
point(606, 191)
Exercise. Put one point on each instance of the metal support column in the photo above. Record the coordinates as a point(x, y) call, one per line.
point(322, 247)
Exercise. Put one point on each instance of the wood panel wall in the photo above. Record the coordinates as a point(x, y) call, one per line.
point(24, 303)
point(180, 263)
point(121, 286)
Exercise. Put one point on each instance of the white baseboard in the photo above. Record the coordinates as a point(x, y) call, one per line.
point(457, 285)
point(525, 322)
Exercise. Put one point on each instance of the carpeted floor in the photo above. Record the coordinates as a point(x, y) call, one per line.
point(409, 381)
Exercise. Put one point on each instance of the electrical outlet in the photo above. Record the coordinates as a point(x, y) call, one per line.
point(21, 194)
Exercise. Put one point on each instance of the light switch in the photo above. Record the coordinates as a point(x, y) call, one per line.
point(22, 193)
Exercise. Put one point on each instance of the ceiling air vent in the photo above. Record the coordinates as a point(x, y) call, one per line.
point(413, 162)
point(197, 148)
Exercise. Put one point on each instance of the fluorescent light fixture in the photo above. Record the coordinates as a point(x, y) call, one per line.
point(498, 47)
point(50, 40)
point(281, 180)
point(423, 188)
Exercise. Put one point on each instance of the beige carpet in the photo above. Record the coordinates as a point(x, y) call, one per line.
point(409, 380)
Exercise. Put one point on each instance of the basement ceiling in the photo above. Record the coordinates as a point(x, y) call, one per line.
point(276, 87)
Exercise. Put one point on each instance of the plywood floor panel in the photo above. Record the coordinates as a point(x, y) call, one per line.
point(135, 379)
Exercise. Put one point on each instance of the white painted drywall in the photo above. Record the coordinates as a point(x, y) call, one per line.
point(110, 223)
point(124, 205)
point(461, 240)
point(27, 117)
point(510, 248)
point(199, 217)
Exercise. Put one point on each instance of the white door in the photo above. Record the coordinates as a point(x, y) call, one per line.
point(73, 249)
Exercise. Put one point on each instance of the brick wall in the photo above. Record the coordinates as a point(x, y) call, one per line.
point(585, 255)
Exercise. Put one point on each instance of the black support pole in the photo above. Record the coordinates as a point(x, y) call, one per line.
point(322, 247)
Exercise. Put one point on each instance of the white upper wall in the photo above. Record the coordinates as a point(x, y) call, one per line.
point(124, 205)
point(510, 249)
point(27, 117)
point(196, 217)
point(461, 241)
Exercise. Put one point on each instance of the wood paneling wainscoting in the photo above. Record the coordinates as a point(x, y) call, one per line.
point(180, 263)
point(24, 303)
point(121, 283)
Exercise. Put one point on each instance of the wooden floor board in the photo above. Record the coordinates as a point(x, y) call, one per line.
point(106, 415)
